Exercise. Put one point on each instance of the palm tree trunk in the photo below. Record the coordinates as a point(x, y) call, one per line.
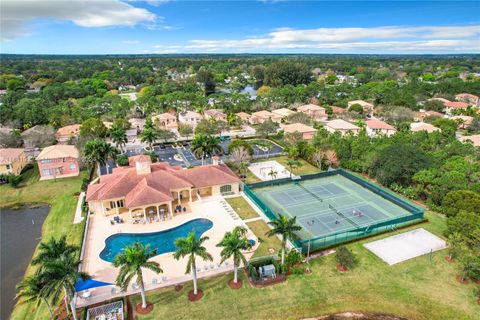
point(142, 292)
point(283, 249)
point(194, 274)
point(74, 312)
point(49, 308)
point(65, 300)
point(235, 273)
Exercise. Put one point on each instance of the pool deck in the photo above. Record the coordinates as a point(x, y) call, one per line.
point(99, 229)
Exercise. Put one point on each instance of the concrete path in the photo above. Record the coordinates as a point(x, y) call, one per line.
point(78, 212)
point(253, 219)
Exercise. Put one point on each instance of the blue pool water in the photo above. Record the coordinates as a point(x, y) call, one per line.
point(163, 241)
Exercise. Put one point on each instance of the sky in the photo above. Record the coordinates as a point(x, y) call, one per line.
point(266, 26)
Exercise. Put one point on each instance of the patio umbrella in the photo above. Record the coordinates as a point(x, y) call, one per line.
point(82, 285)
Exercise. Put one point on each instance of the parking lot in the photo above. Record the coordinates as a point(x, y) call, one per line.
point(166, 153)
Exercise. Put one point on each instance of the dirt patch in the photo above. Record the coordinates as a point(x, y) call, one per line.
point(357, 315)
point(448, 259)
point(147, 310)
point(192, 297)
point(234, 285)
point(178, 288)
point(307, 270)
point(267, 282)
point(342, 268)
point(462, 280)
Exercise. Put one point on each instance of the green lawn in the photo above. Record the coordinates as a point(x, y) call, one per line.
point(305, 168)
point(260, 228)
point(416, 289)
point(61, 196)
point(241, 206)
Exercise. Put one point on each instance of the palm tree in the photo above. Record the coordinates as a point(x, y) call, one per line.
point(98, 151)
point(205, 145)
point(131, 262)
point(149, 135)
point(61, 274)
point(243, 166)
point(291, 163)
point(233, 244)
point(272, 174)
point(33, 288)
point(119, 137)
point(52, 249)
point(286, 228)
point(191, 247)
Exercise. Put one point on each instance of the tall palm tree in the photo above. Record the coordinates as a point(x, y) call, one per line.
point(205, 145)
point(33, 288)
point(191, 247)
point(119, 137)
point(52, 249)
point(291, 163)
point(131, 262)
point(97, 152)
point(149, 135)
point(233, 244)
point(286, 228)
point(62, 274)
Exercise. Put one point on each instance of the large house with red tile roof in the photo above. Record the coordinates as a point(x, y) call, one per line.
point(58, 161)
point(451, 106)
point(471, 99)
point(377, 127)
point(144, 187)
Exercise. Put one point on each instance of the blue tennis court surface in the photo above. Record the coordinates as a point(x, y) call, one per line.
point(329, 205)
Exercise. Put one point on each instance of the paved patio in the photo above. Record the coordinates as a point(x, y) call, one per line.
point(215, 209)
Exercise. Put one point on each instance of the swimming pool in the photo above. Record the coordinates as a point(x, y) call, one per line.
point(163, 241)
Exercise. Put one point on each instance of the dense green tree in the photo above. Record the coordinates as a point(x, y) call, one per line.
point(398, 163)
point(458, 200)
point(284, 72)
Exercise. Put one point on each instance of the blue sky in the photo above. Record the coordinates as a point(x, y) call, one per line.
point(162, 26)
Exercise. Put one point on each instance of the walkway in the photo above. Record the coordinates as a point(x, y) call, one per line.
point(252, 219)
point(78, 213)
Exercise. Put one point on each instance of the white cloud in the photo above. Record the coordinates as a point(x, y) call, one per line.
point(16, 14)
point(380, 39)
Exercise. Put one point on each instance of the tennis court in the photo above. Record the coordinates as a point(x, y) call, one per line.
point(331, 205)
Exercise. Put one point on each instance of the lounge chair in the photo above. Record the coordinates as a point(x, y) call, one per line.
point(112, 222)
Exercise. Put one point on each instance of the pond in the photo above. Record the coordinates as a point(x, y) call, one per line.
point(20, 232)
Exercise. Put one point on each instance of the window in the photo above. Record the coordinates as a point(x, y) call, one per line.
point(46, 161)
point(120, 204)
point(112, 204)
point(226, 188)
point(9, 167)
point(72, 166)
point(46, 172)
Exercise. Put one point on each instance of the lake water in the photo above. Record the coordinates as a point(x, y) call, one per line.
point(20, 232)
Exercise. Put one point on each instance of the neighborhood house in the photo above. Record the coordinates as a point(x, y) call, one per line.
point(306, 131)
point(342, 126)
point(58, 161)
point(316, 112)
point(65, 134)
point(191, 118)
point(12, 161)
point(262, 116)
point(165, 121)
point(377, 127)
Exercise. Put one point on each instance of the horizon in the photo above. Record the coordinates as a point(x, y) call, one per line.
point(165, 27)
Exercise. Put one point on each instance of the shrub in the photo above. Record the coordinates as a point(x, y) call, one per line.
point(298, 271)
point(85, 183)
point(345, 257)
point(153, 156)
point(14, 181)
point(122, 160)
point(292, 258)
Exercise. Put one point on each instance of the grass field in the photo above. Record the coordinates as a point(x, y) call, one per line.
point(416, 289)
point(260, 228)
point(61, 196)
point(241, 206)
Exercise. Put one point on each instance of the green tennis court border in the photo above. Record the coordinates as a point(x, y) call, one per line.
point(325, 241)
